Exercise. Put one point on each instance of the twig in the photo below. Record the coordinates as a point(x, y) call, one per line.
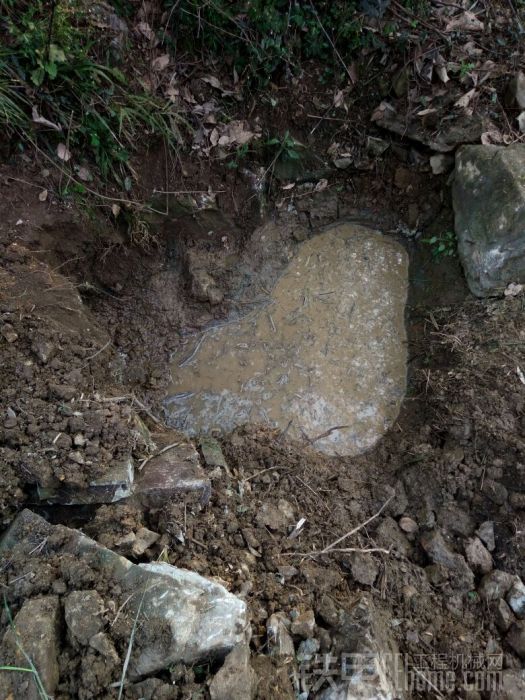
point(147, 411)
point(332, 44)
point(130, 647)
point(91, 357)
point(157, 454)
point(331, 547)
point(190, 358)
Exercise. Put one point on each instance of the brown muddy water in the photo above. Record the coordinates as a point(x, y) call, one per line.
point(323, 360)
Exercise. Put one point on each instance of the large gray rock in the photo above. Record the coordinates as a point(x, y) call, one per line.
point(35, 636)
point(489, 206)
point(324, 360)
point(182, 616)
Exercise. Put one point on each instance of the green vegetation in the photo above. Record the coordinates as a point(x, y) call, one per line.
point(442, 246)
point(58, 71)
point(264, 37)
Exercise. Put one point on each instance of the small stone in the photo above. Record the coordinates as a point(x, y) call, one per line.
point(43, 349)
point(515, 93)
point(375, 146)
point(280, 642)
point(66, 393)
point(328, 611)
point(236, 679)
point(516, 598)
point(436, 574)
point(503, 616)
point(308, 648)
point(171, 474)
point(495, 585)
point(144, 539)
point(409, 592)
point(389, 536)
point(287, 571)
point(76, 457)
point(516, 638)
point(408, 525)
point(304, 625)
point(83, 614)
point(212, 453)
point(105, 647)
point(478, 556)
point(9, 333)
point(364, 568)
point(440, 163)
point(495, 491)
point(485, 532)
point(517, 500)
point(36, 630)
point(79, 440)
point(454, 519)
point(440, 553)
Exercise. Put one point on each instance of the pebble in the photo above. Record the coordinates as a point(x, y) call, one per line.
point(503, 616)
point(516, 638)
point(485, 532)
point(9, 333)
point(495, 585)
point(478, 556)
point(495, 491)
point(516, 598)
point(304, 624)
point(408, 525)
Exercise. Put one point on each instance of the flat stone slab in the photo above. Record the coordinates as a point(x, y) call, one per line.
point(325, 360)
point(174, 472)
point(489, 207)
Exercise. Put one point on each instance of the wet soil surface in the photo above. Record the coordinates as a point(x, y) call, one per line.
point(452, 461)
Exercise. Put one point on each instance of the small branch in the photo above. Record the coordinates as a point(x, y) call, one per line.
point(332, 44)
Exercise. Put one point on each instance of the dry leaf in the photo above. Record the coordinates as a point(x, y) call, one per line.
point(442, 74)
point(63, 152)
point(115, 209)
point(42, 120)
point(290, 186)
point(339, 98)
point(467, 22)
point(161, 62)
point(464, 101)
point(214, 137)
point(146, 31)
point(321, 185)
point(521, 122)
point(513, 289)
point(520, 374)
point(42, 196)
point(213, 81)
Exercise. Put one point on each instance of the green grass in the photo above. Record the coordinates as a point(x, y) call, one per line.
point(55, 61)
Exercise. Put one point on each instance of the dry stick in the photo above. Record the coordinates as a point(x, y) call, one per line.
point(91, 357)
point(329, 548)
point(412, 17)
point(157, 454)
point(147, 411)
point(332, 44)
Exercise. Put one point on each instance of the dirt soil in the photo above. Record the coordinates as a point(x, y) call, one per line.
point(88, 316)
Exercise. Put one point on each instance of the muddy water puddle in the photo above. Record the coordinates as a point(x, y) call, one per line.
point(324, 359)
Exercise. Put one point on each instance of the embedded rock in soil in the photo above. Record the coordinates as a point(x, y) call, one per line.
point(440, 553)
point(365, 631)
point(489, 205)
point(236, 679)
point(83, 613)
point(175, 471)
point(36, 632)
point(496, 585)
point(324, 360)
point(516, 598)
point(280, 642)
point(115, 485)
point(184, 617)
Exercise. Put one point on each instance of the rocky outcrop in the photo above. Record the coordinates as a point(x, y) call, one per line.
point(489, 207)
